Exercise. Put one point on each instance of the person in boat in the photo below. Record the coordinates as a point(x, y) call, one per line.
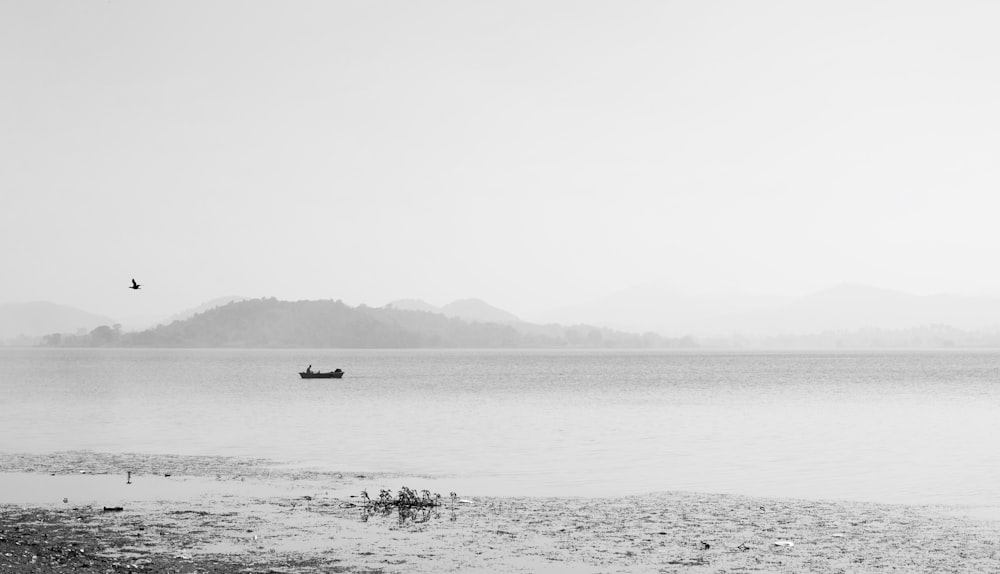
point(309, 369)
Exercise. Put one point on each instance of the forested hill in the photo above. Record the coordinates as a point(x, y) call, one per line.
point(323, 324)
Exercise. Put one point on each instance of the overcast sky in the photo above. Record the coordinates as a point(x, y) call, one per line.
point(528, 153)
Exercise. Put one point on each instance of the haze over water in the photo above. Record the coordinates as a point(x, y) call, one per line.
point(911, 427)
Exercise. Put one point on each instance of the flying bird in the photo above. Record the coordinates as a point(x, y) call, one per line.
point(134, 285)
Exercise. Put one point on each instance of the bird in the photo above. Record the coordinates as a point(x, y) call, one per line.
point(134, 285)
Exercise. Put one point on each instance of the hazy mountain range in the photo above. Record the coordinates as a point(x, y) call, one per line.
point(41, 318)
point(36, 319)
point(658, 309)
point(845, 307)
point(467, 309)
point(270, 323)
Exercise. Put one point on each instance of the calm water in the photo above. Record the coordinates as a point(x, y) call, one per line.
point(917, 427)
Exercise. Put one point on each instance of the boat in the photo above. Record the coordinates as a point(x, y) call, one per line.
point(310, 374)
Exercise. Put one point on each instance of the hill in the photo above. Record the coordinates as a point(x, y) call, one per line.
point(332, 324)
point(478, 310)
point(188, 313)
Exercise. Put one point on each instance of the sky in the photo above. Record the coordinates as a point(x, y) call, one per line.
point(532, 154)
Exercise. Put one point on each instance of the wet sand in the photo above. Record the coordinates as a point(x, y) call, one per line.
point(223, 515)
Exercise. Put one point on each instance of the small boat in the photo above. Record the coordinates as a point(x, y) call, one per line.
point(309, 374)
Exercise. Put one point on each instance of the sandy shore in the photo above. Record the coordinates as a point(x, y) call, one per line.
point(222, 515)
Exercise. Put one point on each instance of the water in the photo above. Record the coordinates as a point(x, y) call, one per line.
point(911, 427)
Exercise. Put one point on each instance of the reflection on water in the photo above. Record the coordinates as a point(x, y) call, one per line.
point(893, 427)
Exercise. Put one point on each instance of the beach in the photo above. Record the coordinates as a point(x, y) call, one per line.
point(214, 514)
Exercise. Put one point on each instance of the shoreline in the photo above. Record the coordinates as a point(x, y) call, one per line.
point(214, 514)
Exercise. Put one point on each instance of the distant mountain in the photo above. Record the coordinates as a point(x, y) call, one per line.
point(39, 318)
point(467, 309)
point(326, 324)
point(478, 310)
point(845, 307)
point(659, 308)
point(852, 307)
point(934, 336)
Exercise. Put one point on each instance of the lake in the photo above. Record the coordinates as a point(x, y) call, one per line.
point(907, 427)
